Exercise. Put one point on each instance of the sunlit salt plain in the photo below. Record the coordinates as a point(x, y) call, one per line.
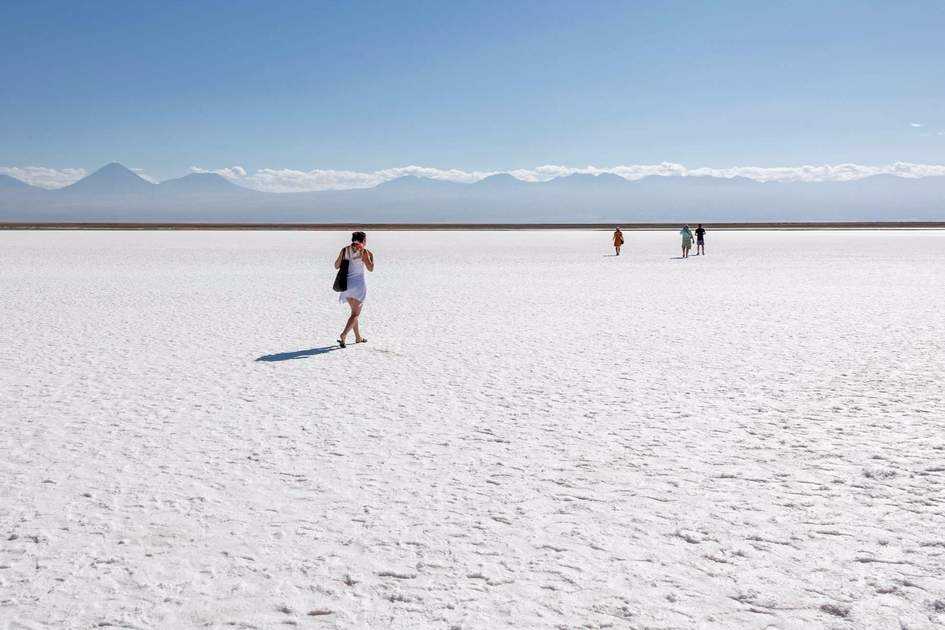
point(536, 435)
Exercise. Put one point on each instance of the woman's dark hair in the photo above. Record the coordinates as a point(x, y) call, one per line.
point(358, 237)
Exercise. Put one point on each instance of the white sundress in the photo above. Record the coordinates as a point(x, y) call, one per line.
point(357, 288)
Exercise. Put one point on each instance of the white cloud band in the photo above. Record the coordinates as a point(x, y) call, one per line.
point(44, 177)
point(288, 180)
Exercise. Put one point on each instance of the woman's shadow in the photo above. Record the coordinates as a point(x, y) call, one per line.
point(298, 354)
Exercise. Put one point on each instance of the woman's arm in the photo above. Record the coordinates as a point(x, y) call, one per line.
point(341, 256)
point(368, 259)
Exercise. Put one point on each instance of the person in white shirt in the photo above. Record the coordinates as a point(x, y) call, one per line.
point(359, 258)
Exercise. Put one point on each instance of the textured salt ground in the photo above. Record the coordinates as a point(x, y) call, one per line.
point(536, 435)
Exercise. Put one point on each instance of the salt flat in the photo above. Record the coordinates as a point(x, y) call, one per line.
point(536, 435)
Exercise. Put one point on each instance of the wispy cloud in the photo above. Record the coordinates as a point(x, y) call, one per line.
point(44, 177)
point(289, 180)
point(916, 125)
point(233, 173)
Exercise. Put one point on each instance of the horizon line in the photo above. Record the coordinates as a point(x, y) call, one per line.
point(399, 226)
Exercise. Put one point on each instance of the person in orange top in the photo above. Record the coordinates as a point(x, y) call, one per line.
point(618, 240)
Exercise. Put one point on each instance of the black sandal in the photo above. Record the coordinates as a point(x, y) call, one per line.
point(362, 340)
point(341, 343)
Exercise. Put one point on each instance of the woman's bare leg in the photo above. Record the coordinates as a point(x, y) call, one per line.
point(357, 331)
point(352, 319)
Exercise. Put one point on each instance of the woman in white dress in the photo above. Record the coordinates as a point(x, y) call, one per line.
point(359, 258)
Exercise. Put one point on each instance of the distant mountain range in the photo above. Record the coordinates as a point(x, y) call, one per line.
point(115, 193)
point(12, 183)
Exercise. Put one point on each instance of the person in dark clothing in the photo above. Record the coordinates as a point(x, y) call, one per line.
point(700, 240)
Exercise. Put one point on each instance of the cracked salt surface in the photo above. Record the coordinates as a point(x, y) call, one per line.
point(537, 435)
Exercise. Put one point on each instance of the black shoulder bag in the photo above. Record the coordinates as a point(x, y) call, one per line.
point(341, 279)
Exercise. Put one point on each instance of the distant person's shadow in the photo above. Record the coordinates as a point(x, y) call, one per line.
point(298, 354)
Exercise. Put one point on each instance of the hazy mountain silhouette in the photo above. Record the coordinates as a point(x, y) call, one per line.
point(115, 193)
point(8, 182)
point(586, 180)
point(501, 181)
point(414, 183)
point(111, 179)
point(200, 183)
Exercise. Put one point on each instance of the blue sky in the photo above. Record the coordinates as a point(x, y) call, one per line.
point(477, 86)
